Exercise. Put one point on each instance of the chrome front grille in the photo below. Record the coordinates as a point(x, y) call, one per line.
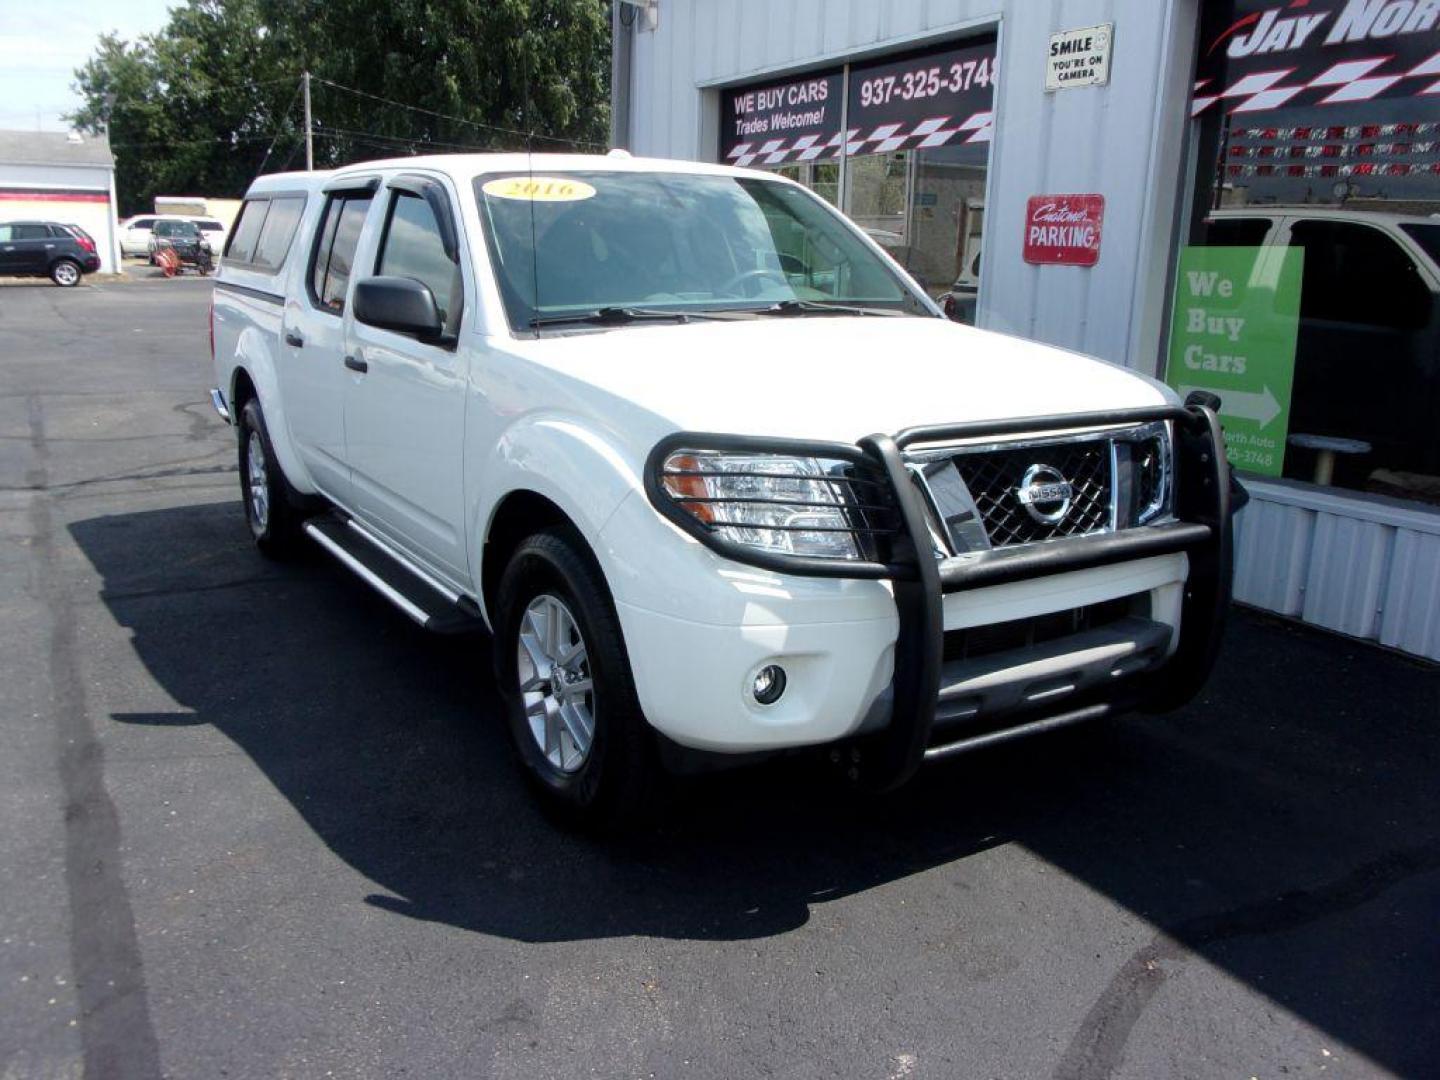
point(1030, 491)
point(995, 482)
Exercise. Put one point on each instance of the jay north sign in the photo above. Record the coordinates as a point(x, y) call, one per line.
point(1258, 55)
point(1284, 29)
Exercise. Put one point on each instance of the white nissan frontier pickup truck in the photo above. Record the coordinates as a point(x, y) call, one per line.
point(717, 476)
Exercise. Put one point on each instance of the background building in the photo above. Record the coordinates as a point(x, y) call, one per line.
point(69, 178)
point(1088, 173)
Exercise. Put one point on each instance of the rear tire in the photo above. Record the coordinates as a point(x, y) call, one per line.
point(570, 700)
point(66, 273)
point(269, 502)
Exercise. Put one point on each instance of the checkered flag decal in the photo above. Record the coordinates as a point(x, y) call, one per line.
point(926, 134)
point(1347, 81)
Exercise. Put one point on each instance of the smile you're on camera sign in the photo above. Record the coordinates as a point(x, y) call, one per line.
point(1079, 57)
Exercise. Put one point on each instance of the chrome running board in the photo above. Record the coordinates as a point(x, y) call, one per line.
point(423, 599)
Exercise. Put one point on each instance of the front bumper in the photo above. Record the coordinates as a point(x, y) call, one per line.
point(1166, 660)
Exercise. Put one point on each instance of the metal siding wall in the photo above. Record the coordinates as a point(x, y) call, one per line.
point(1348, 562)
point(1360, 567)
point(96, 177)
point(1010, 288)
point(1272, 545)
point(1411, 616)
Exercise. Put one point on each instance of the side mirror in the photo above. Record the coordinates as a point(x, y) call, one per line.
point(401, 304)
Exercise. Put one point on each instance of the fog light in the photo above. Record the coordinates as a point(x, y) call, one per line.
point(769, 684)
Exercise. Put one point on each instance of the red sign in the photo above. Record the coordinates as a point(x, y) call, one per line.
point(1064, 229)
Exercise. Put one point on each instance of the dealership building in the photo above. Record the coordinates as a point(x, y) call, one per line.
point(1230, 195)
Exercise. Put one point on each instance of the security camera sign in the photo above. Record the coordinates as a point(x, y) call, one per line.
point(1079, 57)
point(1064, 229)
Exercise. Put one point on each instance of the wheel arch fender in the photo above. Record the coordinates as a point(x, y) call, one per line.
point(253, 374)
point(545, 470)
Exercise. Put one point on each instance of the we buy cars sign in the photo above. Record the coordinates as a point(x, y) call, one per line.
point(1064, 229)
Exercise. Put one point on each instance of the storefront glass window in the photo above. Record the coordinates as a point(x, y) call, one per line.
point(1317, 154)
point(911, 160)
point(916, 159)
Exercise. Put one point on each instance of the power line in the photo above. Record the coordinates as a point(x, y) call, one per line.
point(276, 139)
point(225, 140)
point(327, 129)
point(456, 119)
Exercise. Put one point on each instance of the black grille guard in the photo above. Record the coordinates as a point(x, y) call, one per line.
point(1201, 528)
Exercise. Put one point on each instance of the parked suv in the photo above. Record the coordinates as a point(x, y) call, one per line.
point(63, 253)
point(715, 473)
point(185, 241)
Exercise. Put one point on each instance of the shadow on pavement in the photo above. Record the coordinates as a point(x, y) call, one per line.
point(1284, 827)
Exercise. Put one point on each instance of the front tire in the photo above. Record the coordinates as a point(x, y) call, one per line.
point(269, 509)
point(66, 273)
point(565, 679)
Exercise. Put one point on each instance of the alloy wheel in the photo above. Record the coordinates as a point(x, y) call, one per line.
point(555, 683)
point(258, 483)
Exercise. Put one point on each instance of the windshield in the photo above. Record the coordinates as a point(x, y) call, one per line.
point(1428, 237)
point(673, 242)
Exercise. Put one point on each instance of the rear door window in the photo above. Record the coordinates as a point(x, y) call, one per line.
point(1356, 274)
point(335, 250)
point(277, 232)
point(30, 232)
point(247, 230)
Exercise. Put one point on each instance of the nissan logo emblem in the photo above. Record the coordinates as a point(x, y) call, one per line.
point(1044, 494)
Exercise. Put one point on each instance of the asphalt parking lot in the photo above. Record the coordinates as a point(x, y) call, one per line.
point(254, 824)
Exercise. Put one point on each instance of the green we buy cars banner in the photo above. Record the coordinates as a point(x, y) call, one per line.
point(1233, 333)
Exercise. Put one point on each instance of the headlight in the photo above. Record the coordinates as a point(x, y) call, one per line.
point(786, 505)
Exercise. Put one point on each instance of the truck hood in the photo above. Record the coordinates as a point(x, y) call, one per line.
point(834, 377)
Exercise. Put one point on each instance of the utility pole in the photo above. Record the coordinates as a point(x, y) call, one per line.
point(309, 142)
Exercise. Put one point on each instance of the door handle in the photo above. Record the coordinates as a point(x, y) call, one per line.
point(355, 364)
point(292, 338)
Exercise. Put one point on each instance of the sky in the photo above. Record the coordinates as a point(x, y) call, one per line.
point(42, 43)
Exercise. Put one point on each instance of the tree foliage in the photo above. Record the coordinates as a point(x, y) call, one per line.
point(212, 99)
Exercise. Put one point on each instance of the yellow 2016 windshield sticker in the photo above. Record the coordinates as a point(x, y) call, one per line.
point(538, 189)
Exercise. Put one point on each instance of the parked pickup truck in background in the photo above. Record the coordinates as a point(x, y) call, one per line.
point(715, 473)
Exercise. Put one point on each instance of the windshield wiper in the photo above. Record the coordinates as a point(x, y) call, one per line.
point(615, 316)
point(823, 307)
